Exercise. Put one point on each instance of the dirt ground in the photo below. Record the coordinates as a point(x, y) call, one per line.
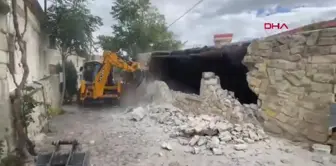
point(114, 140)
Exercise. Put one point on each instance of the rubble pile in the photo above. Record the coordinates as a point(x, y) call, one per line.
point(212, 99)
point(203, 122)
point(158, 92)
point(205, 132)
point(222, 102)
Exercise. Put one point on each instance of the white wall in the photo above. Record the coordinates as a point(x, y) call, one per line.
point(36, 43)
point(5, 115)
point(39, 56)
point(54, 57)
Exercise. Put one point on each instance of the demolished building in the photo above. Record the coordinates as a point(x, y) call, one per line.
point(290, 77)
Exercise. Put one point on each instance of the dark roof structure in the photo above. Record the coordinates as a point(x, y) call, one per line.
point(203, 51)
point(234, 53)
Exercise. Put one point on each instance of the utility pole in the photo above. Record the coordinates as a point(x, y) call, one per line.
point(45, 6)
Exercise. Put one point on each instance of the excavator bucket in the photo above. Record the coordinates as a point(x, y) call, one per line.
point(139, 76)
point(133, 82)
point(134, 78)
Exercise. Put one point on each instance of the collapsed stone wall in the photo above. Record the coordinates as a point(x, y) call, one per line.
point(212, 99)
point(294, 78)
point(204, 123)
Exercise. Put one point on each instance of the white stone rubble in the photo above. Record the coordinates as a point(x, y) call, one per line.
point(192, 119)
point(138, 113)
point(209, 132)
point(166, 146)
point(214, 99)
point(208, 123)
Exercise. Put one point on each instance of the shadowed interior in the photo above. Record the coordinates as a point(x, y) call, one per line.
point(182, 70)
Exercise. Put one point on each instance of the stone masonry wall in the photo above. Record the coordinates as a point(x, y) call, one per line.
point(47, 91)
point(294, 78)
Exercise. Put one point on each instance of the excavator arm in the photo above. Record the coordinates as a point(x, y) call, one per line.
point(110, 60)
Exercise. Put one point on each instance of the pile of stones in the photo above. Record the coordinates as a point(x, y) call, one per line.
point(212, 99)
point(204, 122)
point(205, 132)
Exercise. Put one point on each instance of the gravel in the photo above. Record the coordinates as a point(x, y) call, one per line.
point(113, 139)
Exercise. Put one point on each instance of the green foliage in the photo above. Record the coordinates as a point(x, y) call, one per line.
point(29, 104)
point(139, 28)
point(2, 146)
point(70, 25)
point(70, 78)
point(10, 160)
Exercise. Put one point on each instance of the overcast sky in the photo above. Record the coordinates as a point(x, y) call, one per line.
point(244, 18)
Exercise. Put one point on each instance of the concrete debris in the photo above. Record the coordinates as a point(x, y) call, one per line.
point(166, 146)
point(196, 150)
point(211, 122)
point(158, 92)
point(240, 147)
point(285, 161)
point(213, 143)
point(319, 159)
point(92, 142)
point(208, 75)
point(194, 140)
point(194, 119)
point(214, 99)
point(138, 114)
point(160, 154)
point(217, 151)
point(319, 148)
point(205, 130)
point(183, 141)
point(174, 164)
point(202, 141)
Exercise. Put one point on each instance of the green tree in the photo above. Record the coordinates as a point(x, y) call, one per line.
point(70, 25)
point(71, 79)
point(139, 28)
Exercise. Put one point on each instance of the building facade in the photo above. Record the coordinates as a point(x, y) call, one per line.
point(222, 39)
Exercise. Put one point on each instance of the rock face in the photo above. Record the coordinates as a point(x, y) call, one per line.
point(294, 78)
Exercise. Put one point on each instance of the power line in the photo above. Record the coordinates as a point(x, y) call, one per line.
point(185, 13)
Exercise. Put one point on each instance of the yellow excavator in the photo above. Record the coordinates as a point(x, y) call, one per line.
point(97, 82)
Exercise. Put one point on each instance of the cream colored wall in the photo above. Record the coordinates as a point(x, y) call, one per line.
point(36, 43)
point(39, 56)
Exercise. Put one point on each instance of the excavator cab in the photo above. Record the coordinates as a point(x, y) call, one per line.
point(112, 88)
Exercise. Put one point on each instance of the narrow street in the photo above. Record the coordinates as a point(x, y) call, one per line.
point(113, 139)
